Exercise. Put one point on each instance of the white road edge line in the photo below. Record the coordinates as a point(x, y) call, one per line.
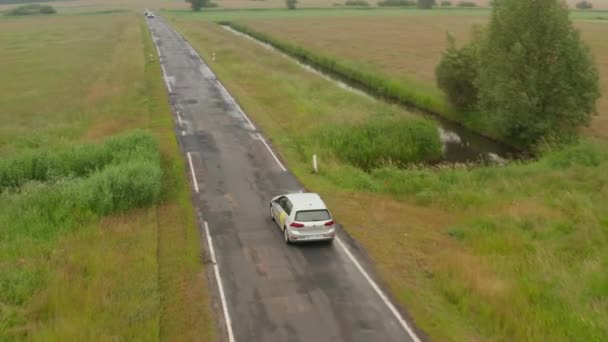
point(156, 46)
point(271, 152)
point(179, 118)
point(192, 171)
point(227, 94)
point(236, 105)
point(380, 293)
point(219, 285)
point(165, 78)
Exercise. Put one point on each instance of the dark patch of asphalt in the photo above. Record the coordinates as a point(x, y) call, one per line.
point(273, 291)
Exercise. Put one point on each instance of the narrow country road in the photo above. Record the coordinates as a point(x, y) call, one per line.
point(268, 291)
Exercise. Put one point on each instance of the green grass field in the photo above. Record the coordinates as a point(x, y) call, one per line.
point(473, 253)
point(75, 265)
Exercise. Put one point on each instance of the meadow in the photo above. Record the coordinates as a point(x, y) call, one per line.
point(97, 231)
point(470, 252)
point(404, 50)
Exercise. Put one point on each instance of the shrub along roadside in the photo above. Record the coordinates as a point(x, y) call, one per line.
point(31, 9)
point(42, 210)
point(32, 218)
point(384, 142)
point(77, 161)
point(361, 3)
point(396, 3)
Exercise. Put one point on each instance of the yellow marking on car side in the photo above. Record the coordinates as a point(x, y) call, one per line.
point(282, 219)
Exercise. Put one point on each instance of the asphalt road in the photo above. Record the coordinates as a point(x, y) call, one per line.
point(271, 291)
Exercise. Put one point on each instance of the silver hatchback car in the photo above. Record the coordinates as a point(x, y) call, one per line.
point(302, 217)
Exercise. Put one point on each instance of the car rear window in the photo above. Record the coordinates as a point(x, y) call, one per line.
point(312, 215)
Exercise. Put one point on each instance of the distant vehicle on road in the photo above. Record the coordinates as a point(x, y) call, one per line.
point(302, 217)
point(149, 14)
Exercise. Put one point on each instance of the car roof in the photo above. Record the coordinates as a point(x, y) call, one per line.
point(306, 201)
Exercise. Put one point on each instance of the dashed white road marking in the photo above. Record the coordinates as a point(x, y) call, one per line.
point(380, 293)
point(218, 279)
point(192, 172)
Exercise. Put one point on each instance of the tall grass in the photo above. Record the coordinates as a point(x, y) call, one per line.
point(61, 191)
point(78, 161)
point(381, 142)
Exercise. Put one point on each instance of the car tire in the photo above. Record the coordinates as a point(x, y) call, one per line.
point(286, 236)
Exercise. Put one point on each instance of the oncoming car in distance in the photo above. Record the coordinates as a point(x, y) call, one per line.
point(302, 217)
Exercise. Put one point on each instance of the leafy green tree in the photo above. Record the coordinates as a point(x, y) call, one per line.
point(197, 5)
point(456, 74)
point(536, 78)
point(291, 4)
point(584, 5)
point(426, 4)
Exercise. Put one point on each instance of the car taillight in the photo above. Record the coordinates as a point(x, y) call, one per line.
point(329, 223)
point(296, 225)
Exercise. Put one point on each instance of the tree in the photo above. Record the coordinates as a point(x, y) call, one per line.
point(584, 5)
point(197, 5)
point(291, 4)
point(426, 4)
point(536, 78)
point(456, 74)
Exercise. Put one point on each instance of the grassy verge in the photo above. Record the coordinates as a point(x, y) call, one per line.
point(73, 272)
point(486, 253)
point(401, 90)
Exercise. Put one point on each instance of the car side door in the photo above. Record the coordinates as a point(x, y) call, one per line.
point(284, 207)
point(277, 209)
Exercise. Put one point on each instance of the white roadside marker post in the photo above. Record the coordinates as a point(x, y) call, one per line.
point(314, 163)
point(213, 57)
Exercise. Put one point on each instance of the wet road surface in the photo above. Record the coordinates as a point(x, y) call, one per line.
point(272, 291)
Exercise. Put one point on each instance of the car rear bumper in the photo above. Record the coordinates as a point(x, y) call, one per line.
point(297, 236)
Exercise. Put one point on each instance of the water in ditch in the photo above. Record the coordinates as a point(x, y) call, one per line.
point(460, 144)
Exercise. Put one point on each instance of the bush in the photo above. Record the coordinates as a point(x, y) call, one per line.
point(291, 4)
point(122, 174)
point(386, 3)
point(31, 9)
point(456, 74)
point(446, 3)
point(78, 161)
point(584, 5)
point(47, 10)
point(426, 4)
point(385, 142)
point(361, 3)
point(467, 4)
point(197, 5)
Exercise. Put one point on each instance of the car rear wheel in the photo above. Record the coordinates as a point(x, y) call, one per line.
point(286, 236)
